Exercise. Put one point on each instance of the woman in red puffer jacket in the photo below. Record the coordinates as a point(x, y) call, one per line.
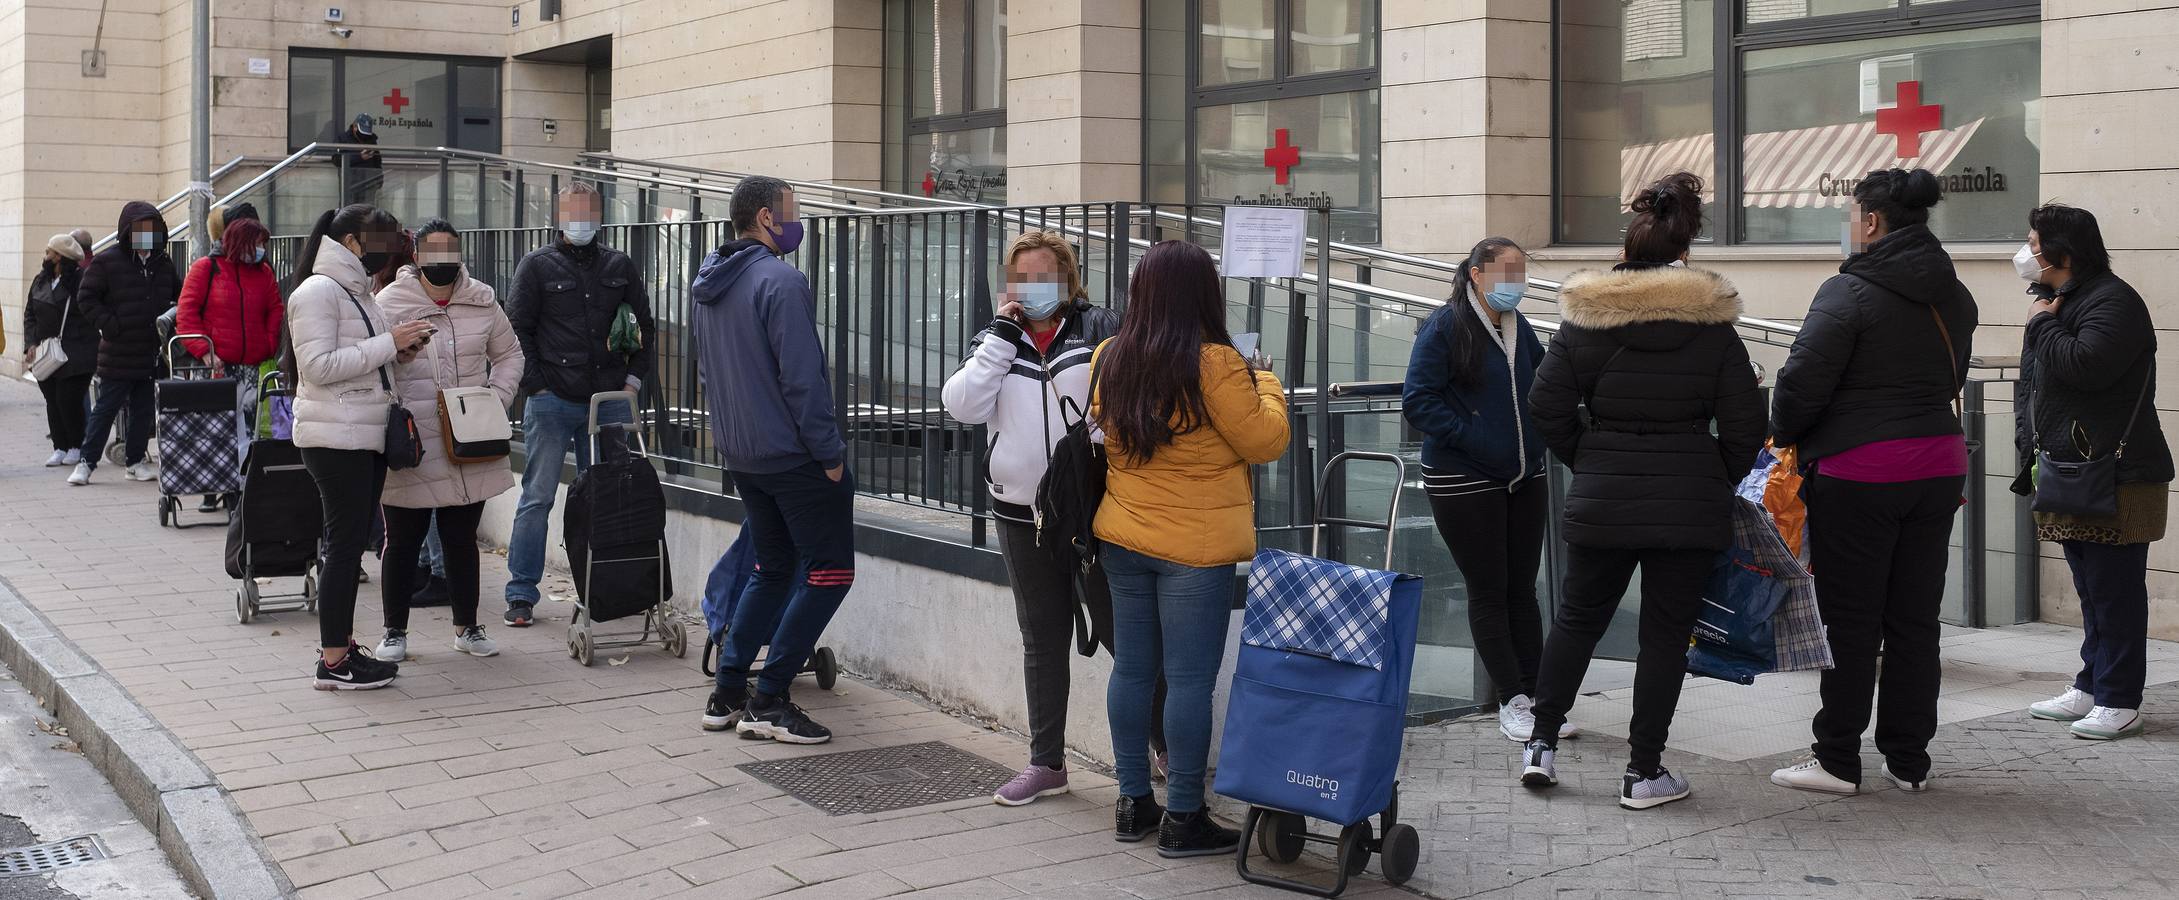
point(233, 298)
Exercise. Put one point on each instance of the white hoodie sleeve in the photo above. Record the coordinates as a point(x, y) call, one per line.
point(972, 394)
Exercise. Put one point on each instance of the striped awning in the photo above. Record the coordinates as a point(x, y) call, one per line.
point(1787, 168)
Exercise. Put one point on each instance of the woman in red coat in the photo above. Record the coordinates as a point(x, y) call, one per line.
point(233, 298)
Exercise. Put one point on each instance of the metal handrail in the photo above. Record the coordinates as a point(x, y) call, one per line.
point(181, 197)
point(918, 202)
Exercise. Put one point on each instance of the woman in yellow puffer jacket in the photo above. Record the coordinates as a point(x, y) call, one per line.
point(1184, 416)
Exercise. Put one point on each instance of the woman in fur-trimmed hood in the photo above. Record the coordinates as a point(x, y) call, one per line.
point(1649, 348)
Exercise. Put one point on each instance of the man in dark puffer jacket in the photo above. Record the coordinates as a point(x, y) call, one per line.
point(125, 289)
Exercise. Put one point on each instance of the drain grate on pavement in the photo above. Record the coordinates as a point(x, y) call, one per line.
point(41, 858)
point(884, 779)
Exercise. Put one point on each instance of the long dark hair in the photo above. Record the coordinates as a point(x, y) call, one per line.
point(354, 219)
point(1667, 217)
point(1151, 379)
point(1469, 334)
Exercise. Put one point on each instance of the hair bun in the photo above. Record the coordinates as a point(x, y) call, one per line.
point(1917, 189)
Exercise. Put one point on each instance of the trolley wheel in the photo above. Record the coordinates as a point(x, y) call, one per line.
point(310, 588)
point(117, 453)
point(583, 650)
point(677, 637)
point(1402, 848)
point(245, 605)
point(166, 517)
point(1355, 840)
point(1279, 835)
point(828, 669)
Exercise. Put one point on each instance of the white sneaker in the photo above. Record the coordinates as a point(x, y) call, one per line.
point(58, 459)
point(1911, 787)
point(473, 642)
point(394, 648)
point(74, 456)
point(81, 476)
point(2105, 723)
point(1517, 719)
point(143, 472)
point(1808, 775)
point(2066, 707)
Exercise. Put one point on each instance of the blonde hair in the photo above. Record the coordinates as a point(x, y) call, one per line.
point(215, 221)
point(1061, 249)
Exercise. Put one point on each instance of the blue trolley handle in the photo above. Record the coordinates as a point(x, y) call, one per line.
point(1391, 523)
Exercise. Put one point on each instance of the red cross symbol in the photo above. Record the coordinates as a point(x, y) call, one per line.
point(930, 183)
point(1909, 118)
point(1281, 156)
point(395, 101)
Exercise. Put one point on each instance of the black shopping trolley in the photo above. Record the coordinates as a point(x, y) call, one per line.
point(615, 526)
point(275, 529)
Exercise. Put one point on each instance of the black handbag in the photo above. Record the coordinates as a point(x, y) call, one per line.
point(404, 443)
point(2088, 488)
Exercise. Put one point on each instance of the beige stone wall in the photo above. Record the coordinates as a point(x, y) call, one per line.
point(1073, 101)
point(2110, 94)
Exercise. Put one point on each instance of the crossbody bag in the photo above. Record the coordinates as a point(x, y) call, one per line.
point(2086, 489)
point(473, 425)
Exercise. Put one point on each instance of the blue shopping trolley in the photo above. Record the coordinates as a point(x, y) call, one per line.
point(722, 595)
point(1324, 643)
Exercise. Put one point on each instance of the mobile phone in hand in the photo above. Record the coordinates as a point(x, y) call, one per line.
point(1247, 342)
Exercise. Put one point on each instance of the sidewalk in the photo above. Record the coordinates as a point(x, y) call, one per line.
point(525, 775)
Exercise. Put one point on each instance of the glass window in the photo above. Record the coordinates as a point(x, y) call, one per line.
point(956, 57)
point(1300, 147)
point(477, 96)
point(311, 116)
point(413, 101)
point(1635, 87)
point(1333, 35)
point(1240, 41)
point(1957, 103)
point(961, 165)
point(406, 98)
point(1761, 12)
point(988, 74)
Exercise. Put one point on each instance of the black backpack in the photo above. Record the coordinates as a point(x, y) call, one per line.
point(1072, 488)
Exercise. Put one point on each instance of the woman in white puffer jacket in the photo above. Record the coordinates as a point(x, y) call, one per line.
point(341, 348)
point(474, 346)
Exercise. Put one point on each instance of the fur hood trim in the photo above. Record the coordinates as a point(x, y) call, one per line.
point(1605, 300)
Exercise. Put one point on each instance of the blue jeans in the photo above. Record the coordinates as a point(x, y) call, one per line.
point(802, 529)
point(137, 394)
point(550, 424)
point(1165, 613)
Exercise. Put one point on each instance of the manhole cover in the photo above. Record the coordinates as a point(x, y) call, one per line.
point(43, 858)
point(884, 779)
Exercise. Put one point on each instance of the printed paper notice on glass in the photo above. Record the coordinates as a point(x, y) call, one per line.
point(1264, 241)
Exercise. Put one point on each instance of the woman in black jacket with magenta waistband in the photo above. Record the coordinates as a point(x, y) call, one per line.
point(1866, 397)
point(1650, 349)
point(1482, 464)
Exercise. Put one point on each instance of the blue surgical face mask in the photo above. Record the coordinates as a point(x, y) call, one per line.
point(1505, 296)
point(258, 255)
point(143, 241)
point(1039, 299)
point(580, 233)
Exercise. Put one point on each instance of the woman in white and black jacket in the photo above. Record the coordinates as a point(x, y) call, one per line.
point(1027, 378)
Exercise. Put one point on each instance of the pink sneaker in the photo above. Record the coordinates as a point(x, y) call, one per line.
point(1033, 782)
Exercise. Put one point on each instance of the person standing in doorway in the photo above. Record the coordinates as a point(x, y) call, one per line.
point(125, 290)
point(567, 296)
point(1483, 465)
point(1645, 364)
point(2089, 369)
point(366, 170)
point(50, 312)
point(1184, 416)
point(770, 393)
point(1027, 379)
point(1867, 399)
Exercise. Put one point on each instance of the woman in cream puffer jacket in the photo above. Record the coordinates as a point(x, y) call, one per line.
point(474, 346)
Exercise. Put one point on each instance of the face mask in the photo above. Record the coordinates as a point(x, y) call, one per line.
point(580, 233)
point(257, 255)
point(1039, 299)
point(374, 261)
point(2024, 264)
point(789, 237)
point(143, 241)
point(442, 274)
point(1505, 295)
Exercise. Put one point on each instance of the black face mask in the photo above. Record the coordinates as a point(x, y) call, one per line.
point(374, 261)
point(442, 274)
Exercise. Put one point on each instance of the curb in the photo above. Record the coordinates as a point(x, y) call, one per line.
point(198, 826)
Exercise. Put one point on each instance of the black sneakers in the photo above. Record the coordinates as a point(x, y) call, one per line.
point(518, 614)
point(724, 709)
point(356, 672)
point(779, 719)
point(1194, 834)
point(1135, 818)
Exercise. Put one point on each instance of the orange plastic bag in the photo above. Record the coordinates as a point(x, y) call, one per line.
point(1782, 496)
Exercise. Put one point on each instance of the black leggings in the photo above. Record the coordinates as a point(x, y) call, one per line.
point(405, 532)
point(1596, 580)
point(64, 410)
point(1496, 538)
point(349, 482)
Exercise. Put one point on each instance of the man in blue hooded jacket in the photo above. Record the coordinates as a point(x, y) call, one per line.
point(765, 379)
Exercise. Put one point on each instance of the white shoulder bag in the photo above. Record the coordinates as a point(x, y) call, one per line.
point(51, 356)
point(472, 423)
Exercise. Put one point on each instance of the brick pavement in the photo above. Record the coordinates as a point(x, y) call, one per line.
point(524, 775)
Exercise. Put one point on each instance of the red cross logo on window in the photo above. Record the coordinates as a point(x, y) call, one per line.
point(1907, 119)
point(1281, 156)
point(395, 101)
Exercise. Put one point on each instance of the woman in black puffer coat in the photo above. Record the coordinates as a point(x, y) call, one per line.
point(1650, 349)
point(51, 312)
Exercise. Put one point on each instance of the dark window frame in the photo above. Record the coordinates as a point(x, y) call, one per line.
point(453, 107)
point(970, 120)
point(1734, 38)
point(1281, 86)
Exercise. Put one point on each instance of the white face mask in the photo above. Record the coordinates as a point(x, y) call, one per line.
point(2025, 264)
